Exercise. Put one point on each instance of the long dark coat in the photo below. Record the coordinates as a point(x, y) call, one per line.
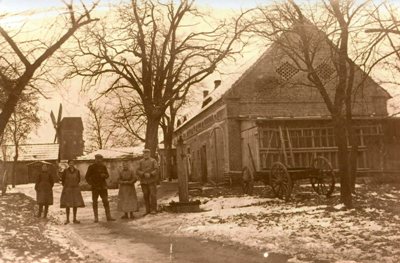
point(44, 188)
point(71, 194)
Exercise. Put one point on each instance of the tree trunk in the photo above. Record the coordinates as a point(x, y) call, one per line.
point(4, 181)
point(152, 134)
point(168, 153)
point(12, 100)
point(343, 158)
point(353, 156)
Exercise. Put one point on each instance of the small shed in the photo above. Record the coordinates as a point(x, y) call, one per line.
point(28, 153)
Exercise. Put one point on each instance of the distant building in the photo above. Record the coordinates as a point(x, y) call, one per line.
point(27, 154)
point(71, 138)
point(70, 146)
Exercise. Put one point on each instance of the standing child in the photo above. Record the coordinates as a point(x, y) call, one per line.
point(71, 194)
point(44, 190)
point(127, 198)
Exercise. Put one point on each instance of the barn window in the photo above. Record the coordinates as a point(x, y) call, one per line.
point(324, 71)
point(287, 70)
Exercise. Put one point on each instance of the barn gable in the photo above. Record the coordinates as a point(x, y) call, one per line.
point(275, 87)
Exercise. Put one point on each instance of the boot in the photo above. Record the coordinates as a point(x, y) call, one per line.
point(40, 211)
point(131, 216)
point(46, 209)
point(95, 213)
point(108, 214)
point(75, 210)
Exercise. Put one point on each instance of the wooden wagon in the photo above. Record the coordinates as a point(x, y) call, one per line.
point(282, 172)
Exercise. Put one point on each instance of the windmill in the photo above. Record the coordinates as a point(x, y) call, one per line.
point(56, 123)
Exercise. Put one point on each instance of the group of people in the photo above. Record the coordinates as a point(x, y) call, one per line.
point(96, 176)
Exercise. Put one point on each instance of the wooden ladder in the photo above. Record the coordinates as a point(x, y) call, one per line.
point(286, 145)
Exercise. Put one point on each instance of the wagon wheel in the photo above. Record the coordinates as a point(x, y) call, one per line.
point(280, 181)
point(323, 182)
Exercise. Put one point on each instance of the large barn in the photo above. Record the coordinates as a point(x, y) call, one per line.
point(247, 123)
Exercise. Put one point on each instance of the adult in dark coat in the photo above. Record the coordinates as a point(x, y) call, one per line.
point(96, 176)
point(147, 172)
point(71, 193)
point(44, 190)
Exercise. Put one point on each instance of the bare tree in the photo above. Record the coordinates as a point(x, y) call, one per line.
point(23, 121)
point(156, 50)
point(99, 129)
point(309, 35)
point(21, 59)
point(130, 116)
point(168, 126)
point(386, 26)
point(103, 129)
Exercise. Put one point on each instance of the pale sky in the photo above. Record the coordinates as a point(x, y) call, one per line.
point(69, 93)
point(24, 5)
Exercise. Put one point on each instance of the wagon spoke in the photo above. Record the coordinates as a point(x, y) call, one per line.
point(279, 179)
point(323, 181)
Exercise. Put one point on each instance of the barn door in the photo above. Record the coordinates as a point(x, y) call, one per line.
point(217, 154)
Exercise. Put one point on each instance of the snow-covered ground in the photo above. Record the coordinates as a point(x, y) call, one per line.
point(309, 229)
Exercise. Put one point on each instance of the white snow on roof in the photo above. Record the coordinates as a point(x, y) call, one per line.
point(230, 75)
point(31, 152)
point(114, 153)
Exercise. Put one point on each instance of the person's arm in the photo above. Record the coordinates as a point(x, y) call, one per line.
point(154, 171)
point(134, 177)
point(63, 177)
point(105, 172)
point(37, 181)
point(120, 181)
point(89, 175)
point(79, 176)
point(140, 171)
point(51, 179)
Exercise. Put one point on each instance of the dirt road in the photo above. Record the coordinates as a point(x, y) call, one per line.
point(121, 241)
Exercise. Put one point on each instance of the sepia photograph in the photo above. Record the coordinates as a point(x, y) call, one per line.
point(200, 131)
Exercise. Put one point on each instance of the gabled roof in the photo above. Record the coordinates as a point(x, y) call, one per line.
point(227, 82)
point(32, 152)
point(242, 71)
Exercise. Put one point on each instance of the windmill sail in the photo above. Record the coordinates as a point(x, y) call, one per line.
point(53, 120)
point(56, 123)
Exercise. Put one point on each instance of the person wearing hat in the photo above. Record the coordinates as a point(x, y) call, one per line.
point(44, 190)
point(96, 176)
point(147, 172)
point(71, 196)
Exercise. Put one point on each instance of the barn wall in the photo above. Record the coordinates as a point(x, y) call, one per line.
point(264, 92)
point(206, 145)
